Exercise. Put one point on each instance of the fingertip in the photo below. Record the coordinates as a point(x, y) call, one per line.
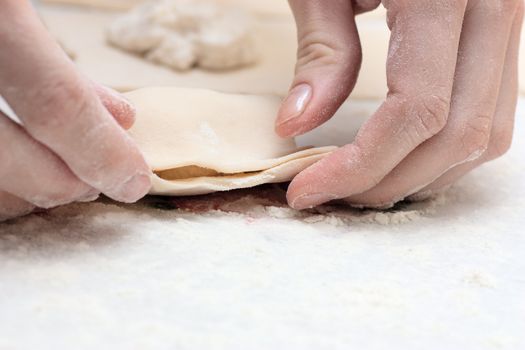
point(328, 63)
point(292, 129)
point(309, 105)
point(120, 108)
point(131, 190)
point(333, 177)
point(310, 200)
point(308, 190)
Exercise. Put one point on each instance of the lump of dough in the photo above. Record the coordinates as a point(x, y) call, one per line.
point(182, 34)
point(175, 52)
point(201, 141)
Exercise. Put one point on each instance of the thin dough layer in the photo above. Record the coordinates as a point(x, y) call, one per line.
point(201, 141)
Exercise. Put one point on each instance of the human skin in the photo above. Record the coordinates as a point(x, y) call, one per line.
point(452, 73)
point(71, 144)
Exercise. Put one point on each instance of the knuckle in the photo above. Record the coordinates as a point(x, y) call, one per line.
point(367, 176)
point(319, 49)
point(61, 101)
point(429, 113)
point(475, 137)
point(115, 159)
point(120, 161)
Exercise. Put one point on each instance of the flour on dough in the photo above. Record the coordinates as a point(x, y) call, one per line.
point(182, 34)
point(201, 141)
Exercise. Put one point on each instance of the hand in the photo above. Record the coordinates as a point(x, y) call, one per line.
point(452, 79)
point(69, 146)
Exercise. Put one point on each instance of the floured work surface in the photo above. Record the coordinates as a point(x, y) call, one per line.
point(257, 275)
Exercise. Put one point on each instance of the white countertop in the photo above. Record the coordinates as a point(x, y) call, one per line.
point(102, 276)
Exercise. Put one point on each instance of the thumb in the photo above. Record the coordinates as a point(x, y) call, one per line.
point(328, 62)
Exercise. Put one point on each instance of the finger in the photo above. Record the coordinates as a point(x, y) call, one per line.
point(116, 104)
point(59, 108)
point(33, 173)
point(466, 137)
point(328, 62)
point(503, 126)
point(362, 6)
point(420, 71)
point(12, 207)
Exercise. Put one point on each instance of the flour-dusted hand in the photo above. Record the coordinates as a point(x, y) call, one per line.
point(70, 146)
point(452, 79)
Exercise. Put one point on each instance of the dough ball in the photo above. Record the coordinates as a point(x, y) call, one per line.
point(183, 34)
point(176, 52)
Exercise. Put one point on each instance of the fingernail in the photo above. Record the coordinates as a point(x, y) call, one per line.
point(310, 200)
point(295, 104)
point(133, 189)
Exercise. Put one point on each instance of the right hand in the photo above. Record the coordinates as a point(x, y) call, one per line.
point(452, 92)
point(71, 145)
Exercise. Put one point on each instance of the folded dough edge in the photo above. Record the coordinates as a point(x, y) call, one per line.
point(282, 171)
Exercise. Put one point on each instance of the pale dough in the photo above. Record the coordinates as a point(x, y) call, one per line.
point(183, 34)
point(264, 8)
point(84, 32)
point(201, 141)
point(276, 41)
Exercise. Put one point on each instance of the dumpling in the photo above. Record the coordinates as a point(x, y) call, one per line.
point(201, 141)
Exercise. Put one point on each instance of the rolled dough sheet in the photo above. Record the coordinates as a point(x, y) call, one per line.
point(201, 141)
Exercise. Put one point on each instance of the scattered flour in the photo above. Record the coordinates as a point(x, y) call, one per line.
point(259, 203)
point(269, 201)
